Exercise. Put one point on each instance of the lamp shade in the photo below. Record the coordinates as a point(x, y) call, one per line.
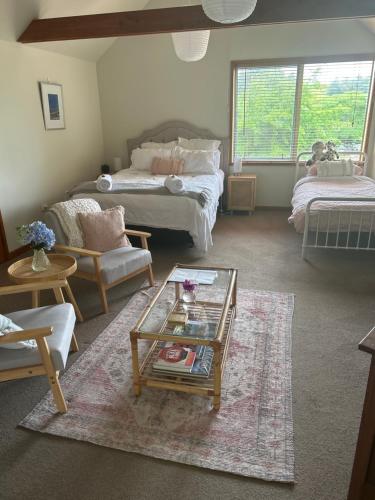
point(228, 11)
point(191, 46)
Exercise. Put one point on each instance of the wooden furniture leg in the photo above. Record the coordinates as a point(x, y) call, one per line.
point(150, 275)
point(234, 298)
point(103, 297)
point(52, 374)
point(101, 287)
point(135, 364)
point(73, 302)
point(35, 296)
point(74, 344)
point(59, 296)
point(217, 377)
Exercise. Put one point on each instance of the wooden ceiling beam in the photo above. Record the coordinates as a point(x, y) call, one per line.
point(168, 20)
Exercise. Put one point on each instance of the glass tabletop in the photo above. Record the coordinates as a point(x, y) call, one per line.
point(190, 308)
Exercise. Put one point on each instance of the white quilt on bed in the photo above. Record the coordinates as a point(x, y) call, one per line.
point(172, 212)
point(346, 186)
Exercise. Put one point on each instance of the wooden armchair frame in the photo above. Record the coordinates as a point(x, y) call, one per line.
point(97, 276)
point(39, 334)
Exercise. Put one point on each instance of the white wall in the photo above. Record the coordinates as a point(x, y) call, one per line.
point(142, 83)
point(37, 166)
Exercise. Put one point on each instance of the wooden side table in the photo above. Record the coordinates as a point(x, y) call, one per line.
point(362, 484)
point(62, 266)
point(242, 192)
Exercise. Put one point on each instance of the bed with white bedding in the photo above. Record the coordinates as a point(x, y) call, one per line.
point(335, 211)
point(141, 192)
point(171, 212)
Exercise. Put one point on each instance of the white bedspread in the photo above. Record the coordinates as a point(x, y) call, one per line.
point(172, 212)
point(346, 186)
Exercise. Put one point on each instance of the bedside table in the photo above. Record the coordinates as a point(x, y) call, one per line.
point(242, 192)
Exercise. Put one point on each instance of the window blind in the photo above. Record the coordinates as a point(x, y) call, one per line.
point(281, 109)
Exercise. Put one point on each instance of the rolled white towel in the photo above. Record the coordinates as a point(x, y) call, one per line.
point(104, 183)
point(174, 184)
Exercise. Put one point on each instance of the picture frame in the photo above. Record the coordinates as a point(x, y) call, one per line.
point(52, 105)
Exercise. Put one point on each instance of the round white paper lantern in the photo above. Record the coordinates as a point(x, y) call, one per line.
point(191, 46)
point(228, 11)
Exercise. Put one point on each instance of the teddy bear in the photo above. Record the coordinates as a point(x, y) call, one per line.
point(318, 150)
point(322, 151)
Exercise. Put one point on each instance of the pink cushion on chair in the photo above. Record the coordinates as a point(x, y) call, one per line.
point(163, 166)
point(104, 231)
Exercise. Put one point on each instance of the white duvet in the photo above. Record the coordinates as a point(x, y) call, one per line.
point(172, 212)
point(346, 186)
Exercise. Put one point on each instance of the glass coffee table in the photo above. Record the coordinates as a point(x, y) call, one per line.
point(178, 324)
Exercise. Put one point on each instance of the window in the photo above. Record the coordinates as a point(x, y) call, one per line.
point(283, 108)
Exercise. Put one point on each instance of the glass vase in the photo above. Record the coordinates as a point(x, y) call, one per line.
point(189, 296)
point(40, 261)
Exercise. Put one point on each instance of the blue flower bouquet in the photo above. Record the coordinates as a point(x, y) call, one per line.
point(40, 238)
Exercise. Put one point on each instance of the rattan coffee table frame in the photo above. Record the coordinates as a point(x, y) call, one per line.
point(221, 313)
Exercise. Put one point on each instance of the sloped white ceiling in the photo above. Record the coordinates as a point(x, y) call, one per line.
point(15, 15)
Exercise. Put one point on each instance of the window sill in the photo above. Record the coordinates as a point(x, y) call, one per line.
point(286, 163)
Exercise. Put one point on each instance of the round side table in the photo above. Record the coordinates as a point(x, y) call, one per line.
point(62, 266)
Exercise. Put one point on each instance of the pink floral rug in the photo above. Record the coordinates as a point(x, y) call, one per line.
point(251, 435)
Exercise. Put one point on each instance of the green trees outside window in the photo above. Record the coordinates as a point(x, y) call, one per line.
point(283, 109)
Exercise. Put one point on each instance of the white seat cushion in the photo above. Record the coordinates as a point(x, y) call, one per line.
point(117, 263)
point(61, 316)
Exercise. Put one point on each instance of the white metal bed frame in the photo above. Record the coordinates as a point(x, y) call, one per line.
point(338, 235)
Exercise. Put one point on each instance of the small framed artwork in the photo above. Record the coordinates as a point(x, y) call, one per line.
point(52, 104)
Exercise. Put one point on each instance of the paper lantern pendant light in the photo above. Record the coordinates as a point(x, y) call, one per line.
point(191, 46)
point(228, 11)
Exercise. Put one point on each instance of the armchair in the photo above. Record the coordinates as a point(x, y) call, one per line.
point(52, 327)
point(106, 269)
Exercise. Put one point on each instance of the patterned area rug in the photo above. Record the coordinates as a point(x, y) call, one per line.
point(251, 435)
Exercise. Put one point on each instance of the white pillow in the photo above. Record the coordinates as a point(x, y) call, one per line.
point(141, 159)
point(198, 162)
point(7, 326)
point(199, 144)
point(336, 168)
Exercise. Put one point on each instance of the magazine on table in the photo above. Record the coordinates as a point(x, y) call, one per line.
point(201, 276)
point(196, 329)
point(203, 362)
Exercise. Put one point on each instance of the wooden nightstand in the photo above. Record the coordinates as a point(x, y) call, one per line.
point(242, 192)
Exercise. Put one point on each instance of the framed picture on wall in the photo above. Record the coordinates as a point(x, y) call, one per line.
point(52, 104)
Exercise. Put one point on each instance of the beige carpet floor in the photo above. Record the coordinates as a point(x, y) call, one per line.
point(334, 309)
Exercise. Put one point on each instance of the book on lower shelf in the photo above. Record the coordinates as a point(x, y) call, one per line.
point(186, 360)
point(175, 357)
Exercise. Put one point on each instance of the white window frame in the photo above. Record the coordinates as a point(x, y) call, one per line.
point(300, 63)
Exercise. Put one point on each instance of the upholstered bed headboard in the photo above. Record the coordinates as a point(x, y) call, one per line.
point(170, 131)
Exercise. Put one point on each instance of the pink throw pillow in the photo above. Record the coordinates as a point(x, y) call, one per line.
point(313, 170)
point(104, 231)
point(358, 170)
point(163, 166)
